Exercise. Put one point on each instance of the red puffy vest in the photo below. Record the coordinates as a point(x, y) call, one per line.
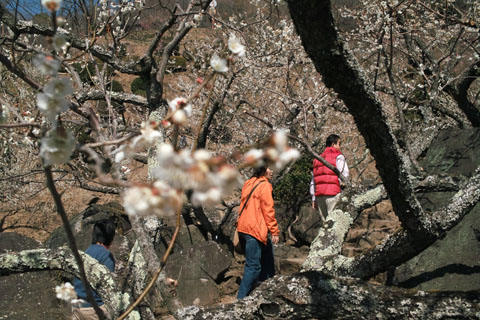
point(326, 181)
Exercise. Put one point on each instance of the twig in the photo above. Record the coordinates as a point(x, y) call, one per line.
point(109, 143)
point(19, 125)
point(204, 110)
point(71, 240)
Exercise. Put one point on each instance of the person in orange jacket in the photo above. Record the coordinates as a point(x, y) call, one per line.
point(255, 222)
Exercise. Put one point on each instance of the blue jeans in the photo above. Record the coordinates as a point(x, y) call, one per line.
point(259, 263)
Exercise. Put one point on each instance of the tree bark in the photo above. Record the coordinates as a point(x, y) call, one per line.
point(312, 295)
point(98, 275)
point(340, 70)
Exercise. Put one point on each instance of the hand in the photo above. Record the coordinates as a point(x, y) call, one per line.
point(275, 239)
point(314, 205)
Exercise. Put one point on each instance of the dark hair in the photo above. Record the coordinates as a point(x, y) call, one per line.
point(333, 138)
point(259, 171)
point(103, 232)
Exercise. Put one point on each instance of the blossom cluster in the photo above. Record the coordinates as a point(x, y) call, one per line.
point(158, 199)
point(180, 109)
point(278, 153)
point(58, 144)
point(116, 14)
point(236, 48)
point(209, 177)
point(148, 136)
point(51, 101)
point(3, 114)
point(66, 292)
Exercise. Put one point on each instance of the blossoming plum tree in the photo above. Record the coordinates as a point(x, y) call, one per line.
point(248, 91)
point(66, 105)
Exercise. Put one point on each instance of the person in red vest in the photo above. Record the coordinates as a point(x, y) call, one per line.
point(325, 187)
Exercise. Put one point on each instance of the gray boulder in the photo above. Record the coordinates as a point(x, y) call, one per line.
point(29, 295)
point(305, 228)
point(451, 263)
point(198, 270)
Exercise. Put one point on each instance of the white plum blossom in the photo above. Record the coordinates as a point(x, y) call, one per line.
point(202, 155)
point(290, 154)
point(197, 18)
point(174, 168)
point(278, 153)
point(180, 110)
point(61, 21)
point(52, 101)
point(58, 87)
point(179, 117)
point(180, 103)
point(60, 42)
point(50, 106)
point(77, 303)
point(3, 114)
point(136, 201)
point(52, 5)
point(280, 139)
point(57, 146)
point(229, 178)
point(218, 64)
point(190, 24)
point(149, 133)
point(139, 4)
point(209, 198)
point(254, 157)
point(272, 154)
point(235, 46)
point(157, 200)
point(46, 64)
point(207, 176)
point(65, 292)
point(123, 152)
point(166, 154)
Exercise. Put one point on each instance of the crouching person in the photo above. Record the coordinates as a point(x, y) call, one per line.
point(102, 238)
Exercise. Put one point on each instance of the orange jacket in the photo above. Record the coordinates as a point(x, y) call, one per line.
point(258, 218)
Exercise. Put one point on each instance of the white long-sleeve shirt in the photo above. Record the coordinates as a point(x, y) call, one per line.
point(341, 165)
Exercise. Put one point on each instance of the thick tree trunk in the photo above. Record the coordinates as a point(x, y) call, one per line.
point(340, 70)
point(312, 295)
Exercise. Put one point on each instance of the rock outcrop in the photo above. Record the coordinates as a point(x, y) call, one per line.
point(312, 295)
point(451, 263)
point(28, 295)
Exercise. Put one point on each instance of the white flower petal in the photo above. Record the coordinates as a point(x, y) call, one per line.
point(235, 46)
point(57, 146)
point(60, 42)
point(179, 117)
point(65, 292)
point(218, 64)
point(58, 87)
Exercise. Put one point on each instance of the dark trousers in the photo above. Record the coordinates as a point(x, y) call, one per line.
point(259, 263)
